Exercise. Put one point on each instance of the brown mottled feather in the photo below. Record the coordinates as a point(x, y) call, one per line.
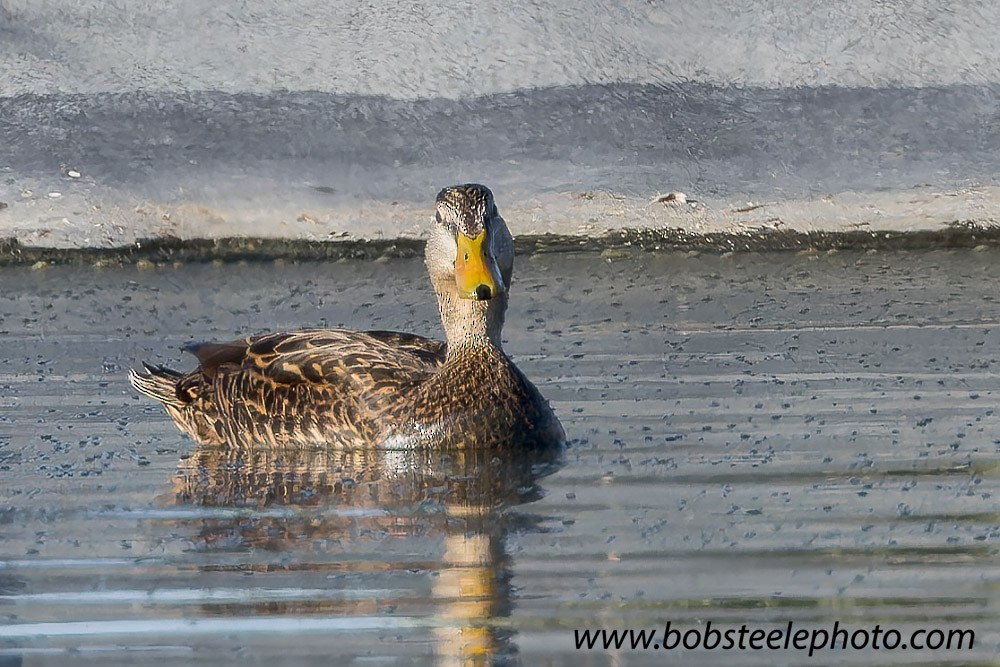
point(381, 388)
point(353, 389)
point(307, 386)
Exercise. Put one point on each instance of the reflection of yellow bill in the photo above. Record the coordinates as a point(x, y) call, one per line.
point(475, 274)
point(467, 590)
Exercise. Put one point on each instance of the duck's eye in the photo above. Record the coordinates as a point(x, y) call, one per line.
point(466, 257)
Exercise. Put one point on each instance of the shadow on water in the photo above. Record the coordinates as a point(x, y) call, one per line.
point(380, 516)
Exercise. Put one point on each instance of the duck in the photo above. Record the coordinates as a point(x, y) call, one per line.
point(378, 389)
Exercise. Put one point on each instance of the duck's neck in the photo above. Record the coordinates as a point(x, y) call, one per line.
point(470, 324)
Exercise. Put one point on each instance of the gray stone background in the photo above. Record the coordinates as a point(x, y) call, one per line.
point(315, 120)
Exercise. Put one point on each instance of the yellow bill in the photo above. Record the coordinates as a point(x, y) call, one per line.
point(476, 274)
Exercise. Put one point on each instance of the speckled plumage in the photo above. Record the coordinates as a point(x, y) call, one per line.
point(374, 388)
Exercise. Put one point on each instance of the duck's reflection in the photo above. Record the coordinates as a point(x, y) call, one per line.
point(417, 533)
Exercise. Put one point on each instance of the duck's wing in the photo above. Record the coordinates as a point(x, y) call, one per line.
point(337, 361)
point(425, 350)
point(296, 386)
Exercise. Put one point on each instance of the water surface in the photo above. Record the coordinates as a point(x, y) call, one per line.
point(755, 439)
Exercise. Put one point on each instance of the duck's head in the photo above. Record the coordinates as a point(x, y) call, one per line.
point(470, 246)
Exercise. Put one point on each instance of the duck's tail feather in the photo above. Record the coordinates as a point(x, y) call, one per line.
point(157, 382)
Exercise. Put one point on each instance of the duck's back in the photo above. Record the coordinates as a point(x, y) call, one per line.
point(358, 389)
point(315, 386)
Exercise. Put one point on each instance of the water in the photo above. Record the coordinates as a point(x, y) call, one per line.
point(755, 440)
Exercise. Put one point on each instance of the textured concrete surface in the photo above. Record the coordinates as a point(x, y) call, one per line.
point(311, 120)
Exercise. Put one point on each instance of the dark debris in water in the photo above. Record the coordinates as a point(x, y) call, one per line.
point(958, 234)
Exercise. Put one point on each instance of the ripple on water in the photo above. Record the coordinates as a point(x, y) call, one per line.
point(755, 440)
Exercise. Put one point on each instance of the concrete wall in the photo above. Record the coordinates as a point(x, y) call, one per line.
point(325, 120)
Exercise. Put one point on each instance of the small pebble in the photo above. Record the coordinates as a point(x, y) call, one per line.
point(694, 253)
point(144, 265)
point(39, 265)
point(55, 195)
point(73, 173)
point(982, 247)
point(612, 253)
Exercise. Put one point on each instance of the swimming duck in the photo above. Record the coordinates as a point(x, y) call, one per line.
point(378, 388)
